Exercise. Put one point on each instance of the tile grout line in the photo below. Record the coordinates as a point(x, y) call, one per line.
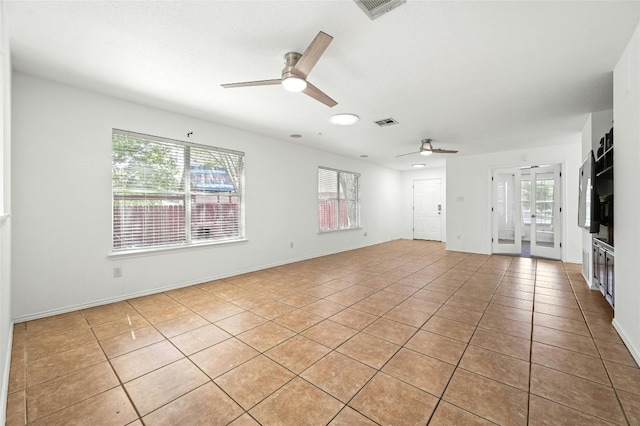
point(135, 408)
point(615, 391)
point(185, 356)
point(395, 353)
point(568, 373)
point(444, 390)
point(533, 308)
point(440, 399)
point(379, 370)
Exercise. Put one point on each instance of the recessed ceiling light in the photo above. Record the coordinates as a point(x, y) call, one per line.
point(295, 136)
point(344, 119)
point(417, 166)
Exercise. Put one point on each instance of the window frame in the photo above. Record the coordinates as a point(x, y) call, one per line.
point(187, 194)
point(340, 201)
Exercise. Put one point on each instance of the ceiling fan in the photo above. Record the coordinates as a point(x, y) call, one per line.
point(296, 69)
point(427, 149)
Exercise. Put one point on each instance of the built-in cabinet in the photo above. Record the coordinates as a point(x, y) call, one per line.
point(603, 269)
point(603, 251)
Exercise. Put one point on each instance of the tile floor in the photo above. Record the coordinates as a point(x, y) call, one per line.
point(398, 333)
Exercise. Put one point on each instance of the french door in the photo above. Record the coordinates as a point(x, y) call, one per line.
point(527, 207)
point(545, 219)
point(506, 226)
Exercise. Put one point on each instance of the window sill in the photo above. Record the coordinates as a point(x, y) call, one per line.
point(330, 231)
point(164, 250)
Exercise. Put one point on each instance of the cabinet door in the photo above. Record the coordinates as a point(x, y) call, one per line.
point(594, 267)
point(609, 258)
point(602, 271)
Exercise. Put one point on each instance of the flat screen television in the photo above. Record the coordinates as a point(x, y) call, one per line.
point(588, 200)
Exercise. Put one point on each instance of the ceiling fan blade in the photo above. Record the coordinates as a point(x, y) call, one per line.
point(410, 153)
point(252, 83)
point(313, 53)
point(443, 151)
point(316, 94)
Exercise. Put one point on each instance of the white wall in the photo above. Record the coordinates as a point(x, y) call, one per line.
point(406, 193)
point(587, 137)
point(626, 114)
point(6, 325)
point(469, 195)
point(62, 201)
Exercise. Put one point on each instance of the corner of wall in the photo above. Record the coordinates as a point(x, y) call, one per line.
point(6, 324)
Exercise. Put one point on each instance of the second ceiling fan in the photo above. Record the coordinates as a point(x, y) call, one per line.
point(427, 149)
point(297, 68)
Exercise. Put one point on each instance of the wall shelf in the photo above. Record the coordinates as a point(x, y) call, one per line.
point(605, 171)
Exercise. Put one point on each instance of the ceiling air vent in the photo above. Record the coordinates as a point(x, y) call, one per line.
point(376, 8)
point(386, 122)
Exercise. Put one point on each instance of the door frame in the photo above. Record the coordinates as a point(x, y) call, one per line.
point(554, 252)
point(442, 210)
point(559, 191)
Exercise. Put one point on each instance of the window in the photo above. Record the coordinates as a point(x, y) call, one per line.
point(168, 193)
point(338, 200)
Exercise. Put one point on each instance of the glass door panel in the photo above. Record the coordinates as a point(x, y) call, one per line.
point(545, 217)
point(507, 230)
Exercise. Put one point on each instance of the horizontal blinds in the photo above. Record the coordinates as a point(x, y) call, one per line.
point(144, 165)
point(147, 223)
point(338, 199)
point(168, 194)
point(348, 194)
point(216, 185)
point(327, 199)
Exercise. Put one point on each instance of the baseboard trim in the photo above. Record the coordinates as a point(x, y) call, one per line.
point(635, 353)
point(100, 302)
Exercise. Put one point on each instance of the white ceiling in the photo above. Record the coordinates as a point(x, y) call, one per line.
point(477, 76)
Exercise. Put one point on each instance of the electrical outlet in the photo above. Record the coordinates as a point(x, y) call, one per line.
point(291, 244)
point(365, 234)
point(117, 272)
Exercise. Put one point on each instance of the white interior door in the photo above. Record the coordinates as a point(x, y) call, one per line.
point(427, 209)
point(546, 221)
point(506, 227)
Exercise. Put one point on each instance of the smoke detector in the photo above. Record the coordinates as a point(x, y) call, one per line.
point(376, 8)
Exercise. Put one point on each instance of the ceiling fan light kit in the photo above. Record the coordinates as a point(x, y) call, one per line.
point(425, 153)
point(344, 119)
point(294, 84)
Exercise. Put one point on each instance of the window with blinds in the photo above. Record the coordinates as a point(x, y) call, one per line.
point(338, 200)
point(168, 193)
